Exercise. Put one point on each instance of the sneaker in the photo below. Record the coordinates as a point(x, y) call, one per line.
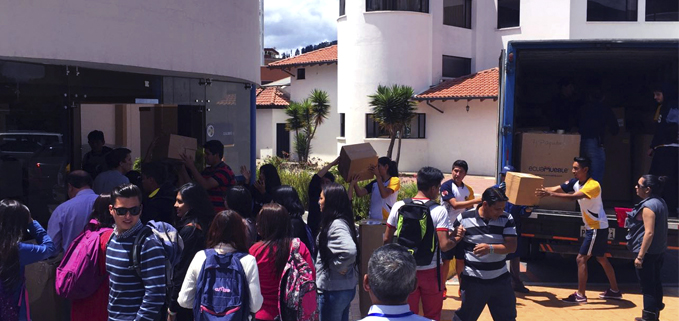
point(610, 294)
point(575, 298)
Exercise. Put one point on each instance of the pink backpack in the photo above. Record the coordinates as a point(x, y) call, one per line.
point(78, 274)
point(297, 301)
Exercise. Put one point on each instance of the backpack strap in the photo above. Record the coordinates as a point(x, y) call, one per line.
point(136, 248)
point(430, 203)
point(408, 201)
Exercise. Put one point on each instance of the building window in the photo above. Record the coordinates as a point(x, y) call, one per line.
point(342, 7)
point(456, 66)
point(416, 128)
point(397, 5)
point(342, 124)
point(606, 10)
point(301, 73)
point(508, 13)
point(457, 13)
point(662, 10)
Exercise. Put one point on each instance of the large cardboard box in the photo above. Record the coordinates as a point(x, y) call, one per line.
point(617, 185)
point(370, 237)
point(172, 146)
point(357, 159)
point(44, 303)
point(521, 188)
point(550, 156)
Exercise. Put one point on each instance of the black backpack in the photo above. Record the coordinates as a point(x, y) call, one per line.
point(416, 232)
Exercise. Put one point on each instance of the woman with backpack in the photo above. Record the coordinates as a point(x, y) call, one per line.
point(272, 253)
point(287, 196)
point(383, 189)
point(95, 307)
point(263, 187)
point(194, 214)
point(337, 259)
point(239, 199)
point(15, 219)
point(226, 251)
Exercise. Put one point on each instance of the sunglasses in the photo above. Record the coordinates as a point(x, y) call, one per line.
point(134, 211)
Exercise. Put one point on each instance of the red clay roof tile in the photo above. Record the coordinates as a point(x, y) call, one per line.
point(271, 97)
point(316, 57)
point(483, 84)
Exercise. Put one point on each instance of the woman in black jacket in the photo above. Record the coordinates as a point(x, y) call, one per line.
point(287, 197)
point(262, 189)
point(194, 215)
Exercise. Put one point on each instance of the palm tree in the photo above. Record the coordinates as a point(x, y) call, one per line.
point(393, 109)
point(296, 120)
point(307, 116)
point(319, 111)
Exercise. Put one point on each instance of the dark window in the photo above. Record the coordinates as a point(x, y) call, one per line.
point(416, 128)
point(619, 10)
point(342, 124)
point(301, 73)
point(397, 5)
point(457, 13)
point(456, 66)
point(342, 7)
point(662, 10)
point(508, 13)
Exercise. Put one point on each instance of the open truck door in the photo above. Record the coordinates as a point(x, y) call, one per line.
point(505, 107)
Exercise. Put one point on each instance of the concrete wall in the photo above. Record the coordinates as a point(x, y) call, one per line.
point(213, 37)
point(324, 78)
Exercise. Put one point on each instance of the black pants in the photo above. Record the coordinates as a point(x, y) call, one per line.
point(665, 160)
point(650, 280)
point(497, 294)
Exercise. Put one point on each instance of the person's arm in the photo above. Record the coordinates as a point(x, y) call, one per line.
point(252, 273)
point(187, 294)
point(342, 247)
point(153, 278)
point(649, 230)
point(360, 191)
point(562, 191)
point(388, 236)
point(464, 204)
point(509, 246)
point(54, 229)
point(385, 191)
point(31, 253)
point(206, 183)
point(327, 167)
point(446, 242)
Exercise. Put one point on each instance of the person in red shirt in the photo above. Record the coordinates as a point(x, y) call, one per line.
point(215, 178)
point(272, 252)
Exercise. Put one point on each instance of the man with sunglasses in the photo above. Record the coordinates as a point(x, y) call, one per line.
point(132, 296)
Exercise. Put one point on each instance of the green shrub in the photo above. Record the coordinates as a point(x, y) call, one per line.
point(408, 190)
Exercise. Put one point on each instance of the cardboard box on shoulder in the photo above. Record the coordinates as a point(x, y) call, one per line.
point(521, 188)
point(550, 156)
point(172, 146)
point(357, 159)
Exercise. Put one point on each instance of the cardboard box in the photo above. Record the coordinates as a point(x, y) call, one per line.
point(357, 159)
point(550, 156)
point(617, 185)
point(370, 234)
point(43, 300)
point(521, 188)
point(172, 146)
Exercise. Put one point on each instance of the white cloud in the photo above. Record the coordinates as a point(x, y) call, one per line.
point(291, 24)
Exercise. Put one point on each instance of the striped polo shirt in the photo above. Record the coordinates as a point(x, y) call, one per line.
point(479, 230)
point(132, 297)
point(224, 176)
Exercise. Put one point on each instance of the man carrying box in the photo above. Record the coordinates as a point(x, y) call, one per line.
point(587, 192)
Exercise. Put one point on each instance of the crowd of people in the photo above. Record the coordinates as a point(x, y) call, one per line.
point(245, 250)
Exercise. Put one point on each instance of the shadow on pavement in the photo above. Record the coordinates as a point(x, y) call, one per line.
point(550, 300)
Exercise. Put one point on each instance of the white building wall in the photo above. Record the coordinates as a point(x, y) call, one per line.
point(211, 37)
point(322, 77)
point(266, 129)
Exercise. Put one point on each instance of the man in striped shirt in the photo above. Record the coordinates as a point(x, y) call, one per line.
point(131, 296)
point(216, 178)
point(490, 236)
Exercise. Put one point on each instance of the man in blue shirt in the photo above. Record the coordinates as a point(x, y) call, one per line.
point(69, 219)
point(119, 162)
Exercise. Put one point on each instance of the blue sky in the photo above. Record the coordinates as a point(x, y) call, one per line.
point(290, 24)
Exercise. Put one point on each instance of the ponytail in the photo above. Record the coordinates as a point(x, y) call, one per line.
point(655, 183)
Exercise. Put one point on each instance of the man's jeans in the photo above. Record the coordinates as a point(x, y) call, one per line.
point(592, 149)
point(498, 294)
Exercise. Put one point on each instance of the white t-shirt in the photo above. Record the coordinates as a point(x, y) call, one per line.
point(592, 207)
point(460, 193)
point(439, 216)
point(381, 207)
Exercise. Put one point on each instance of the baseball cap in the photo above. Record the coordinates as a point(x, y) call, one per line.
point(507, 168)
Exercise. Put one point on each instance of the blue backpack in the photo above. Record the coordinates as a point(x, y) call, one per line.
point(223, 292)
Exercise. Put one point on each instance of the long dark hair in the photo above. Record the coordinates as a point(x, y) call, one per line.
point(14, 218)
point(239, 199)
point(200, 207)
point(655, 183)
point(287, 196)
point(392, 168)
point(100, 211)
point(271, 178)
point(273, 225)
point(228, 227)
point(336, 207)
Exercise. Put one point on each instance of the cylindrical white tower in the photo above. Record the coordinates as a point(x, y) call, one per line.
point(379, 47)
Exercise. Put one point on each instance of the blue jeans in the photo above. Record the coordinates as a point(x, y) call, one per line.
point(590, 148)
point(334, 305)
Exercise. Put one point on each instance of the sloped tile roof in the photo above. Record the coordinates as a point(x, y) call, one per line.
point(316, 57)
point(483, 84)
point(272, 97)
